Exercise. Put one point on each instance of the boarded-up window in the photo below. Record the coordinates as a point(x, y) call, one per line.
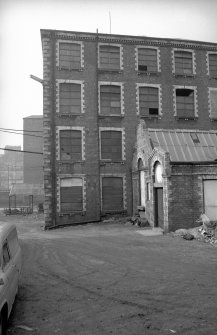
point(70, 145)
point(183, 62)
point(213, 65)
point(111, 145)
point(112, 194)
point(148, 101)
point(185, 103)
point(70, 98)
point(70, 55)
point(71, 194)
point(110, 99)
point(109, 57)
point(213, 103)
point(147, 60)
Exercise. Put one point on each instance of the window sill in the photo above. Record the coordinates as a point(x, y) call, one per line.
point(110, 115)
point(70, 161)
point(123, 212)
point(184, 75)
point(60, 68)
point(60, 115)
point(193, 118)
point(151, 117)
point(148, 73)
point(101, 70)
point(72, 213)
point(107, 161)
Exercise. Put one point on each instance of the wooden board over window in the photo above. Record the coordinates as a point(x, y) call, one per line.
point(111, 145)
point(70, 145)
point(112, 194)
point(183, 62)
point(213, 65)
point(109, 57)
point(110, 99)
point(213, 103)
point(71, 194)
point(147, 60)
point(148, 101)
point(70, 55)
point(70, 98)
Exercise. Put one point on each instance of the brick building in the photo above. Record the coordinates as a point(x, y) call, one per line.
point(97, 87)
point(32, 163)
point(175, 176)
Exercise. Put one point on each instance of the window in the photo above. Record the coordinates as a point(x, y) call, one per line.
point(112, 194)
point(110, 99)
point(183, 62)
point(109, 57)
point(185, 105)
point(70, 55)
point(213, 102)
point(195, 138)
point(212, 64)
point(70, 98)
point(111, 145)
point(70, 145)
point(71, 194)
point(148, 191)
point(147, 60)
point(6, 254)
point(148, 101)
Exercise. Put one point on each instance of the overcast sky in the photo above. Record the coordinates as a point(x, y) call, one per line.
point(20, 42)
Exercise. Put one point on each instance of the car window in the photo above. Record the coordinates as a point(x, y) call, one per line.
point(13, 242)
point(6, 254)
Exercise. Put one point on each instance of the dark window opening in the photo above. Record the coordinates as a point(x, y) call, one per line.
point(153, 111)
point(195, 138)
point(183, 92)
point(142, 68)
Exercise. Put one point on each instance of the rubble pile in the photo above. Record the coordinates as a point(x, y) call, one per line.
point(207, 232)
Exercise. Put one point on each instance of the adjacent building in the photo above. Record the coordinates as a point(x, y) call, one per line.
point(97, 88)
point(33, 142)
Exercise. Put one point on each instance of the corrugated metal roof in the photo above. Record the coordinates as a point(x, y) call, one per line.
point(186, 145)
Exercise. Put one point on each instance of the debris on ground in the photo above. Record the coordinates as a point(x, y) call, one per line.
point(139, 221)
point(207, 232)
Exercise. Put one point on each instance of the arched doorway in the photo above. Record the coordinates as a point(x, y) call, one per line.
point(158, 193)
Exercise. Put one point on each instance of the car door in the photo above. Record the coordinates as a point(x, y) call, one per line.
point(10, 272)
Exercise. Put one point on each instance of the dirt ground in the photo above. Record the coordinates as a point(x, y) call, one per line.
point(101, 279)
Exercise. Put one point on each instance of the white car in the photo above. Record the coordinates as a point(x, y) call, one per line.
point(10, 269)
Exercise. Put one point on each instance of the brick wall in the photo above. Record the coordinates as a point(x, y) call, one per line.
point(185, 194)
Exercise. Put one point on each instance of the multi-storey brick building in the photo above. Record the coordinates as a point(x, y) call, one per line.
point(96, 89)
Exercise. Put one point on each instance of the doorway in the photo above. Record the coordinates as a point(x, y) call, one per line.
point(159, 210)
point(210, 198)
